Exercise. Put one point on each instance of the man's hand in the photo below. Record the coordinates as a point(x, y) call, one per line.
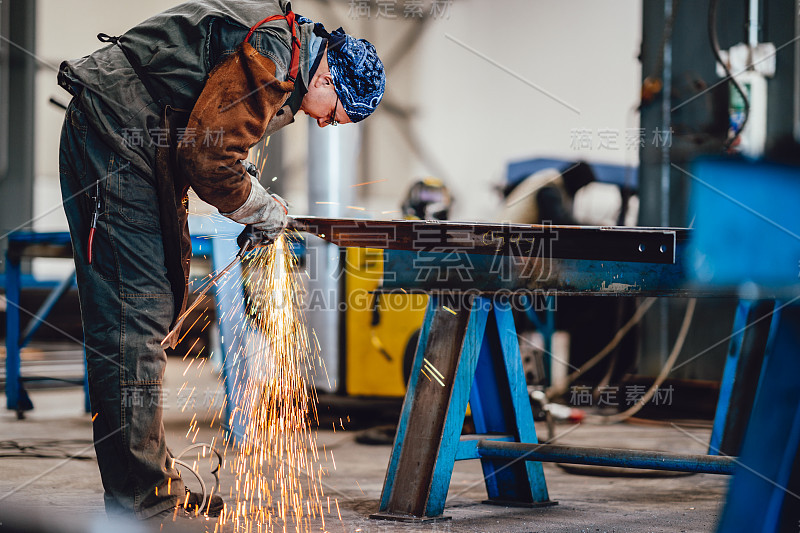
point(266, 212)
point(271, 218)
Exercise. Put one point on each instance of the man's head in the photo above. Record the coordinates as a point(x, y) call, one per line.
point(321, 99)
point(348, 84)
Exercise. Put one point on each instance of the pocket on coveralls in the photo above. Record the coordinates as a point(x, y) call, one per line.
point(136, 197)
point(88, 160)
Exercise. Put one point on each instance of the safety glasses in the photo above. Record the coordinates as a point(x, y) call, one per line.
point(332, 119)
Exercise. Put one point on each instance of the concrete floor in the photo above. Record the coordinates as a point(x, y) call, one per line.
point(66, 495)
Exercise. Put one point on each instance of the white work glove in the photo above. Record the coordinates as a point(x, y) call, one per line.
point(267, 212)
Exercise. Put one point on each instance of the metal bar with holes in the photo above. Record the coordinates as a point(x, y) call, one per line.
point(641, 245)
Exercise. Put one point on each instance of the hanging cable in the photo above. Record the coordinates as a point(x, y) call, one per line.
point(206, 496)
point(712, 36)
point(560, 388)
point(665, 370)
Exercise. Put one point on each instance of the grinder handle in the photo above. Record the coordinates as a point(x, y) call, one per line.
point(249, 238)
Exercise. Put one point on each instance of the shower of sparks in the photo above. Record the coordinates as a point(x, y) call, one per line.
point(278, 485)
point(425, 373)
point(277, 471)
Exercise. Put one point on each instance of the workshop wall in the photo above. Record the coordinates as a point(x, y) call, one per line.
point(550, 68)
point(67, 30)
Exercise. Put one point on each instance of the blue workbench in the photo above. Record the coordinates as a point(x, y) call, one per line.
point(22, 244)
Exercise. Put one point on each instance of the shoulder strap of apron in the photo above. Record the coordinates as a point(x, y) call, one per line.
point(290, 19)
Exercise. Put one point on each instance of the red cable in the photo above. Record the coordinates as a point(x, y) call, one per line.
point(89, 245)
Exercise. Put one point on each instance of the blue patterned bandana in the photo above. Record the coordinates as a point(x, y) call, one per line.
point(358, 75)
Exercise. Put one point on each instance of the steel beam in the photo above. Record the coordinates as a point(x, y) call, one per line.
point(640, 245)
point(426, 271)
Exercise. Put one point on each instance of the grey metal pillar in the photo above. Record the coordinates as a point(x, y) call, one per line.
point(666, 169)
point(698, 114)
point(332, 164)
point(17, 70)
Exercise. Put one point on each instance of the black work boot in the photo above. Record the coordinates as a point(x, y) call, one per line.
point(180, 520)
point(175, 519)
point(213, 506)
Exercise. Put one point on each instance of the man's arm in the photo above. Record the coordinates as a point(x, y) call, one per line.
point(239, 99)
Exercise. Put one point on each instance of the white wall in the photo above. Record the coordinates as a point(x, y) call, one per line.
point(469, 113)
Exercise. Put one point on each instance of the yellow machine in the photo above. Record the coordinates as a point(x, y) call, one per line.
point(378, 328)
point(382, 330)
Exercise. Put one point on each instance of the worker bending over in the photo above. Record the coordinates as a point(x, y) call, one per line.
point(177, 102)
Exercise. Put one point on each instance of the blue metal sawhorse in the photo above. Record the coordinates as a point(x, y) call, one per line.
point(464, 341)
point(214, 239)
point(753, 329)
point(471, 343)
point(748, 235)
point(58, 245)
